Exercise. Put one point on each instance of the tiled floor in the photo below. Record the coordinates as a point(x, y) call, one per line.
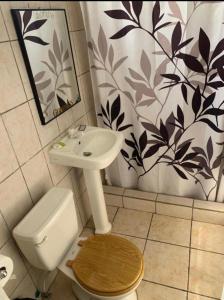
point(184, 259)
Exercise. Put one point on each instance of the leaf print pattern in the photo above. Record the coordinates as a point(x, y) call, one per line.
point(27, 27)
point(57, 65)
point(165, 142)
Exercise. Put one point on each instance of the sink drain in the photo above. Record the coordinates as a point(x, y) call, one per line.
point(87, 153)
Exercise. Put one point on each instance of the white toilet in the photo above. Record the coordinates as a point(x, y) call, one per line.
point(102, 266)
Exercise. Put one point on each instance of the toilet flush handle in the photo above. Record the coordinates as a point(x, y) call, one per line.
point(41, 243)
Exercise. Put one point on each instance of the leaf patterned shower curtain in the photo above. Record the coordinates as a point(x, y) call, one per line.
point(158, 77)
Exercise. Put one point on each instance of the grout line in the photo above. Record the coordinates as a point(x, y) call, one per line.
point(8, 229)
point(189, 259)
point(148, 233)
point(179, 289)
point(14, 107)
point(212, 298)
point(164, 285)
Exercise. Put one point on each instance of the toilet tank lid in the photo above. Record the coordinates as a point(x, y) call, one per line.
point(42, 213)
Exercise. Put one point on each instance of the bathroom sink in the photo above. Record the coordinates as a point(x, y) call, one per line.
point(94, 148)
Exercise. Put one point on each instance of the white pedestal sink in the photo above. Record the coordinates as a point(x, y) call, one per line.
point(92, 149)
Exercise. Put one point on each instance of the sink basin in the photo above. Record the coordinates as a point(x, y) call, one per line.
point(95, 149)
point(92, 149)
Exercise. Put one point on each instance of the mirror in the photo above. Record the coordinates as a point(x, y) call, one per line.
point(46, 47)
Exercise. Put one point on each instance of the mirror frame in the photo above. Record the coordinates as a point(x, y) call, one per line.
point(14, 13)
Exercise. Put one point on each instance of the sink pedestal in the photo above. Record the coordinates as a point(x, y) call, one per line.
point(97, 201)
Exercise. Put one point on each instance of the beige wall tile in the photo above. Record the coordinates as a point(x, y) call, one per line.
point(8, 162)
point(79, 45)
point(175, 200)
point(4, 232)
point(114, 200)
point(37, 176)
point(115, 190)
point(22, 69)
point(39, 4)
point(159, 292)
point(10, 80)
point(91, 116)
point(46, 132)
point(171, 230)
point(22, 132)
point(207, 237)
point(57, 171)
point(73, 12)
point(166, 264)
point(206, 274)
point(65, 120)
point(3, 32)
point(6, 6)
point(132, 222)
point(174, 210)
point(210, 205)
point(208, 216)
point(82, 121)
point(139, 204)
point(86, 91)
point(78, 110)
point(140, 194)
point(11, 250)
point(25, 289)
point(15, 200)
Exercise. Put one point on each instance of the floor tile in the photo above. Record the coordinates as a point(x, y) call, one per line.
point(198, 297)
point(139, 204)
point(140, 243)
point(208, 237)
point(62, 288)
point(114, 190)
point(166, 264)
point(132, 222)
point(206, 273)
point(151, 291)
point(174, 200)
point(170, 230)
point(211, 205)
point(111, 211)
point(177, 211)
point(140, 194)
point(114, 200)
point(208, 216)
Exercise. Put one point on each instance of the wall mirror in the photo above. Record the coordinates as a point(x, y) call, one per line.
point(46, 47)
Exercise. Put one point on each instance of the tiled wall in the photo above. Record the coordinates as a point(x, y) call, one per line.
point(25, 171)
point(180, 207)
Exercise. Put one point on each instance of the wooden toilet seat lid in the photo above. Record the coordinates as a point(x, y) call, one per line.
point(108, 265)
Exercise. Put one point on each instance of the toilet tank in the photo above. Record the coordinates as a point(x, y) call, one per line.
point(48, 230)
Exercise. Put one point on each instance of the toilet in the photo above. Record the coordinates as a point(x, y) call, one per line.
point(101, 266)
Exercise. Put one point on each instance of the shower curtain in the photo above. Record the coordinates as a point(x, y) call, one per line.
point(158, 78)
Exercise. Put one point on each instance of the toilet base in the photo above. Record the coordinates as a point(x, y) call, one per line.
point(82, 295)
